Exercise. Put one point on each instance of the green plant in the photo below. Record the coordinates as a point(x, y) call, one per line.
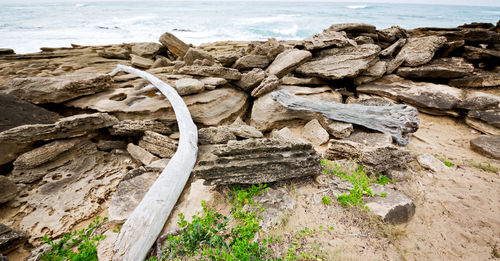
point(360, 181)
point(449, 163)
point(486, 167)
point(209, 235)
point(326, 200)
point(82, 240)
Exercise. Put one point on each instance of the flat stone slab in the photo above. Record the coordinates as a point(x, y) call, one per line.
point(444, 68)
point(10, 238)
point(488, 145)
point(478, 81)
point(395, 207)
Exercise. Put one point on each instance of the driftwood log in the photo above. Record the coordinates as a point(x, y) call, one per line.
point(398, 120)
point(145, 223)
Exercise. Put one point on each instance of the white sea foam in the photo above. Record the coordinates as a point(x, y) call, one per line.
point(268, 19)
point(288, 31)
point(134, 19)
point(79, 5)
point(357, 6)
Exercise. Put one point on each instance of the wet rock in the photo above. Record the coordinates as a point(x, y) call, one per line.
point(8, 189)
point(215, 135)
point(267, 85)
point(292, 80)
point(436, 97)
point(138, 127)
point(268, 114)
point(16, 112)
point(194, 54)
point(128, 195)
point(215, 107)
point(327, 38)
point(314, 132)
point(338, 63)
point(428, 161)
point(395, 207)
point(58, 89)
point(173, 44)
point(45, 153)
point(72, 190)
point(477, 81)
point(374, 151)
point(287, 61)
point(353, 28)
point(255, 161)
point(18, 140)
point(141, 154)
point(158, 144)
point(419, 51)
point(10, 238)
point(337, 129)
point(188, 86)
point(481, 54)
point(115, 52)
point(141, 62)
point(271, 48)
point(251, 79)
point(211, 71)
point(488, 145)
point(444, 68)
point(146, 50)
point(251, 61)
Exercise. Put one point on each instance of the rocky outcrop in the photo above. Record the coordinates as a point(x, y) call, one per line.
point(146, 50)
point(270, 48)
point(58, 89)
point(17, 140)
point(353, 28)
point(215, 135)
point(444, 68)
point(267, 85)
point(314, 133)
point(338, 63)
point(419, 51)
point(218, 106)
point(251, 79)
point(193, 55)
point(45, 153)
point(255, 161)
point(251, 61)
point(173, 44)
point(488, 145)
point(268, 114)
point(16, 112)
point(374, 151)
point(141, 62)
point(326, 39)
point(287, 61)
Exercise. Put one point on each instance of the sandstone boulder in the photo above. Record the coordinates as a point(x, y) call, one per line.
point(58, 89)
point(251, 61)
point(242, 130)
point(314, 132)
point(146, 50)
point(481, 54)
point(309, 81)
point(251, 79)
point(338, 63)
point(138, 127)
point(327, 38)
point(173, 44)
point(267, 85)
point(287, 61)
point(8, 190)
point(395, 207)
point(141, 62)
point(417, 51)
point(353, 28)
point(430, 162)
point(158, 144)
point(443, 68)
point(215, 135)
point(115, 52)
point(10, 238)
point(194, 54)
point(337, 129)
point(255, 161)
point(374, 151)
point(486, 121)
point(477, 81)
point(488, 145)
point(187, 86)
point(140, 154)
point(474, 100)
point(270, 48)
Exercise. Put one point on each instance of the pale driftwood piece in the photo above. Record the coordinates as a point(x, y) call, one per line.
point(144, 225)
point(398, 120)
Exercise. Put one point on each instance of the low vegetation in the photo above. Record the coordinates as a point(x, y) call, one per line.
point(79, 245)
point(486, 167)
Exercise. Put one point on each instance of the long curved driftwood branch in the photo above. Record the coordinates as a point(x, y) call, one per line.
point(144, 225)
point(398, 120)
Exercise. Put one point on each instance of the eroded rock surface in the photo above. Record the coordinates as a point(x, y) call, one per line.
point(287, 61)
point(488, 145)
point(255, 161)
point(444, 68)
point(10, 238)
point(8, 189)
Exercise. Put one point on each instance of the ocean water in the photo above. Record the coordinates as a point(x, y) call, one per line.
point(27, 26)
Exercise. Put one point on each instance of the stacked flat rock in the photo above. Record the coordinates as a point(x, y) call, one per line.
point(255, 161)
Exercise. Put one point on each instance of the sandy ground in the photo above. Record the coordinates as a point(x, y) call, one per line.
point(457, 210)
